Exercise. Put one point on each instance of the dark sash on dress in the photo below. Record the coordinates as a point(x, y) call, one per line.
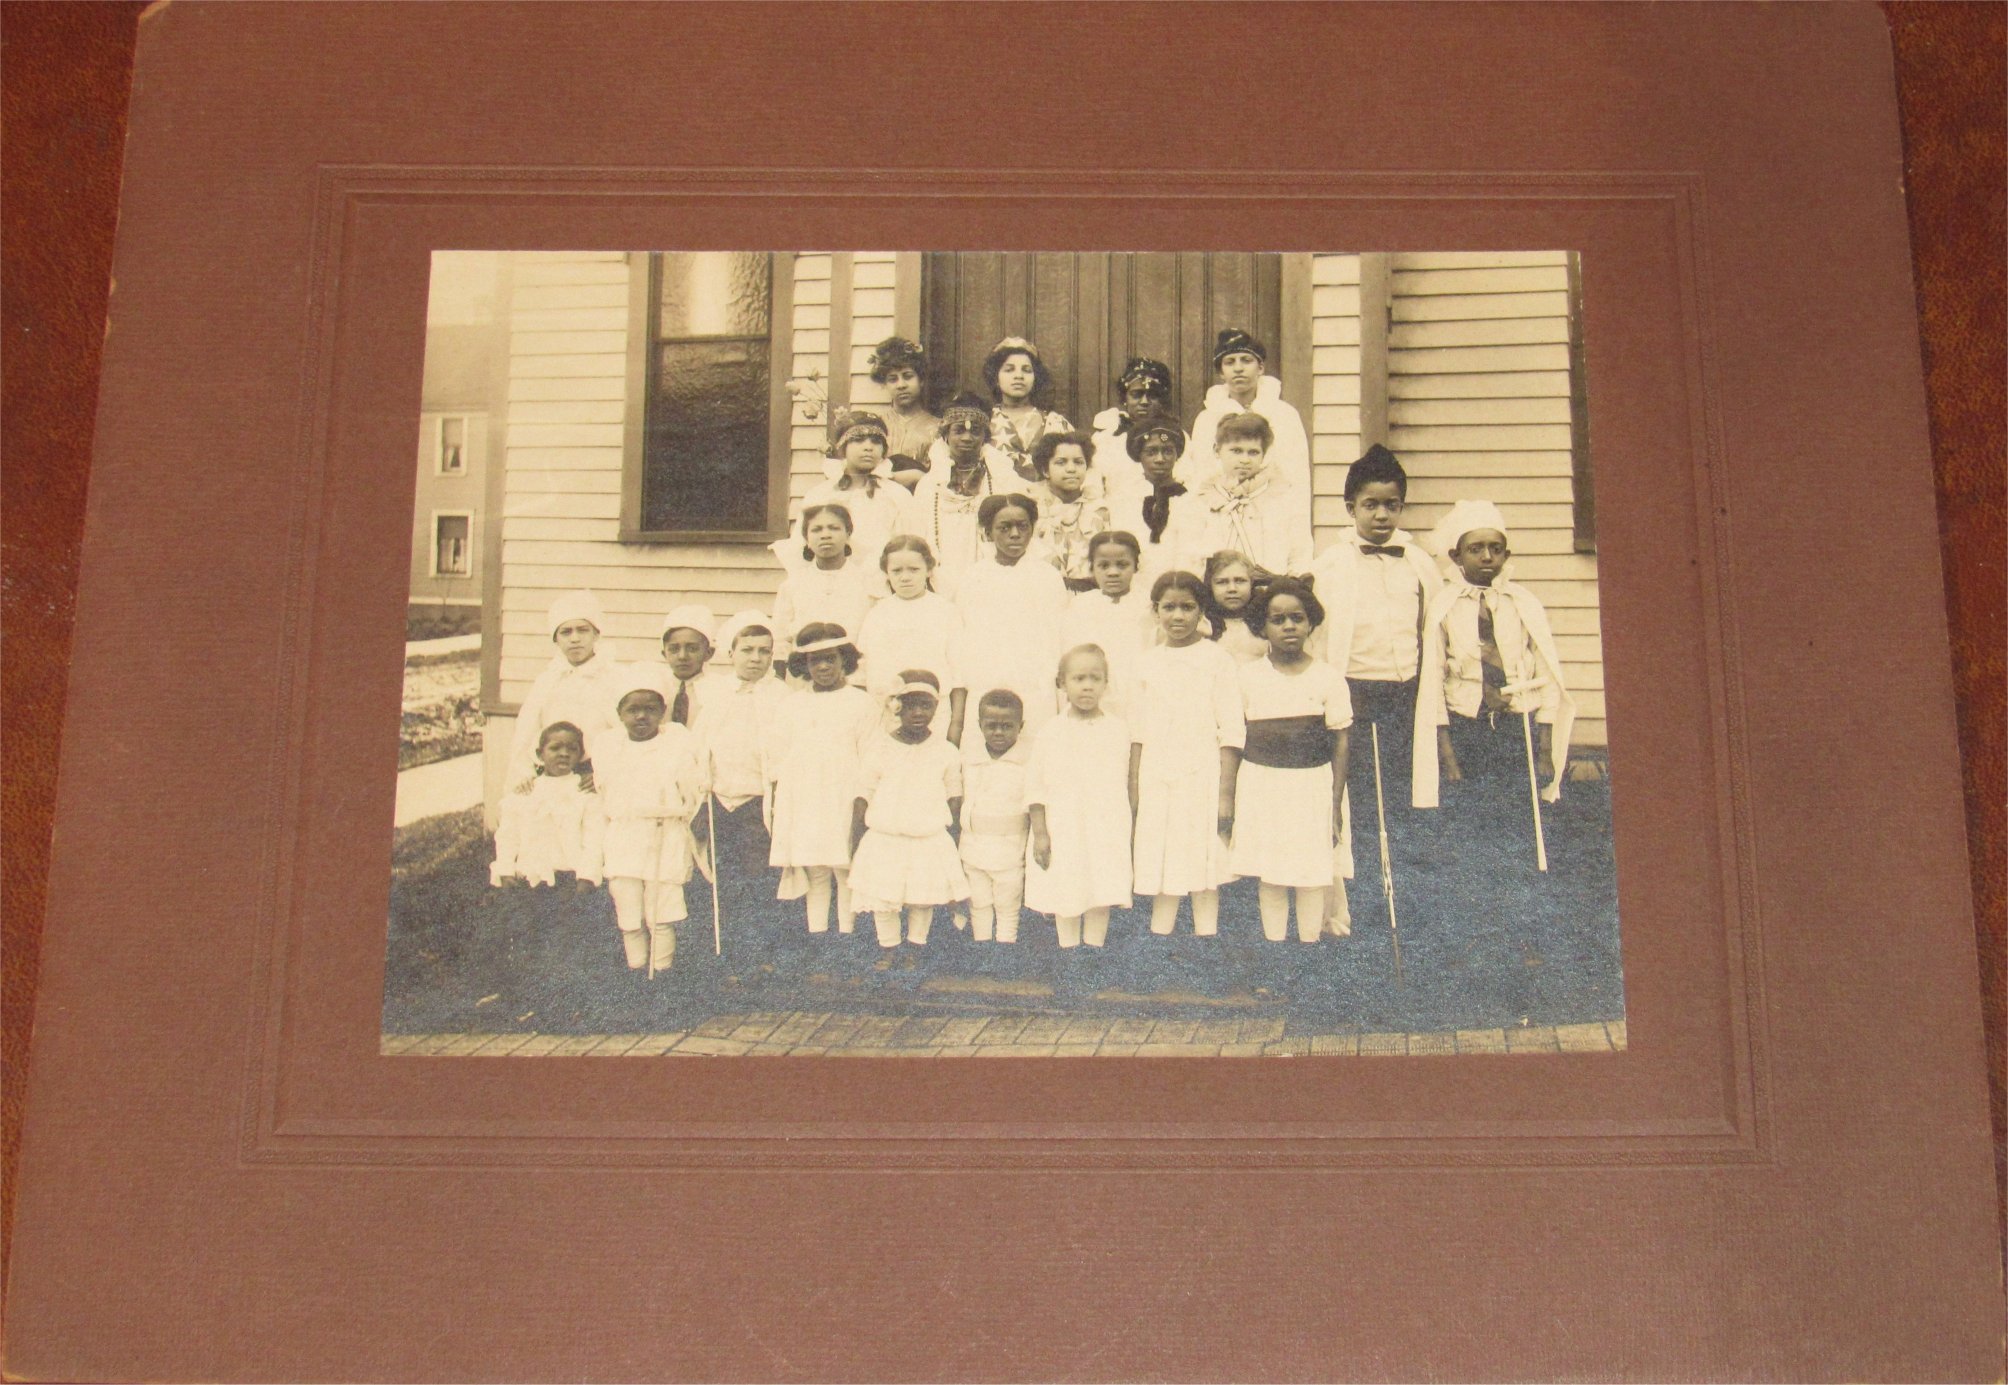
point(1289, 742)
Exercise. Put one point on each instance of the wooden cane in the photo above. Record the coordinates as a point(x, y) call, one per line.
point(1534, 792)
point(711, 825)
point(1386, 857)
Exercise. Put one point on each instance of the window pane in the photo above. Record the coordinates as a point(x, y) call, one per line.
point(715, 293)
point(450, 545)
point(706, 452)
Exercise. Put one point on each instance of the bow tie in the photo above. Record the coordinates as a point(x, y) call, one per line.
point(1385, 550)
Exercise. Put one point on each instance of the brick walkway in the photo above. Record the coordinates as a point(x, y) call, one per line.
point(803, 1034)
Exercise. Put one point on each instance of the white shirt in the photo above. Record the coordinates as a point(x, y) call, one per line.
point(1464, 670)
point(1387, 620)
point(738, 721)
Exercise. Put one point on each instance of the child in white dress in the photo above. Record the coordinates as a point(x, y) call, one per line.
point(1073, 505)
point(649, 781)
point(554, 824)
point(825, 728)
point(909, 793)
point(914, 627)
point(995, 824)
point(1231, 577)
point(578, 685)
point(1080, 798)
point(1247, 505)
point(1286, 807)
point(862, 483)
point(828, 585)
point(1011, 606)
point(1188, 729)
point(1114, 615)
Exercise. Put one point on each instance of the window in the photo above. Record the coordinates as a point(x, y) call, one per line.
point(451, 445)
point(708, 351)
point(452, 544)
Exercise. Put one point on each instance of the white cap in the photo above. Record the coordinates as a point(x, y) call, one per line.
point(578, 605)
point(690, 617)
point(1465, 516)
point(736, 625)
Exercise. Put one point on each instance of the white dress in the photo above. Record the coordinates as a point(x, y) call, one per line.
point(1188, 708)
point(1010, 634)
point(1123, 628)
point(1283, 817)
point(648, 791)
point(817, 756)
point(1290, 453)
point(556, 826)
point(899, 635)
point(876, 515)
point(906, 856)
point(1079, 770)
point(808, 594)
point(1241, 642)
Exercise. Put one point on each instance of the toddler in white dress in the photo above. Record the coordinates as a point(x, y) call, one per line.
point(649, 781)
point(554, 823)
point(1078, 796)
point(908, 794)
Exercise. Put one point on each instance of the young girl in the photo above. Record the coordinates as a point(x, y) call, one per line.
point(908, 794)
point(964, 470)
point(1286, 808)
point(578, 685)
point(914, 628)
point(1115, 615)
point(879, 507)
point(1081, 797)
point(553, 824)
point(827, 586)
point(1246, 506)
point(1187, 725)
point(1072, 507)
point(1011, 607)
point(825, 729)
point(649, 783)
point(901, 367)
point(1230, 584)
point(1018, 381)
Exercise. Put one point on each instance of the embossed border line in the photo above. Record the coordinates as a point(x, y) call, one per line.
point(341, 190)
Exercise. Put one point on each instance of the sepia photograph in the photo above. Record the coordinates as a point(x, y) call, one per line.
point(977, 653)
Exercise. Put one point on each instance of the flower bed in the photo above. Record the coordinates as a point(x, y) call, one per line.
point(442, 707)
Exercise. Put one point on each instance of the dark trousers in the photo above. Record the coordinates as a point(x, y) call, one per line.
point(1490, 806)
point(746, 883)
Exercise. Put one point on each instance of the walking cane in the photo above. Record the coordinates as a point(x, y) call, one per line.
point(711, 825)
point(1534, 791)
point(1386, 858)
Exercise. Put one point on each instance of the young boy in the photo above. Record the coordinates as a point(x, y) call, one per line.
point(1247, 508)
point(649, 784)
point(994, 818)
point(1240, 360)
point(1376, 582)
point(580, 685)
point(734, 734)
point(1490, 672)
point(686, 652)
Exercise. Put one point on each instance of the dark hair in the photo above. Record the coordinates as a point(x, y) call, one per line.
point(1217, 615)
point(1042, 378)
point(991, 505)
point(1178, 579)
point(1049, 443)
point(743, 631)
point(809, 512)
point(544, 736)
point(1121, 538)
point(1378, 464)
point(1005, 698)
point(815, 632)
point(1248, 425)
point(897, 353)
point(1153, 374)
point(920, 675)
point(1257, 614)
point(655, 693)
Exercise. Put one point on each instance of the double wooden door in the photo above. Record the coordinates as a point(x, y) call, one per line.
point(1089, 312)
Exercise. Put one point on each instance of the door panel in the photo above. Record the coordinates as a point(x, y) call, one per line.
point(1089, 312)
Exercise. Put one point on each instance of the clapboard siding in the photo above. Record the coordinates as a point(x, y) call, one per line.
point(1479, 408)
point(568, 410)
point(1334, 424)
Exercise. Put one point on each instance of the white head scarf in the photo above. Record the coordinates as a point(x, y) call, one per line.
point(736, 625)
point(1465, 516)
point(690, 617)
point(578, 605)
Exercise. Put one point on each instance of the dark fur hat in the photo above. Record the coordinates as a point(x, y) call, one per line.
point(1232, 339)
point(1142, 370)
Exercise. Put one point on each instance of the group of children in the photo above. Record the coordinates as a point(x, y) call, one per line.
point(1169, 692)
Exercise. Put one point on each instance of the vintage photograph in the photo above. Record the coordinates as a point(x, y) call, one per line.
point(965, 653)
